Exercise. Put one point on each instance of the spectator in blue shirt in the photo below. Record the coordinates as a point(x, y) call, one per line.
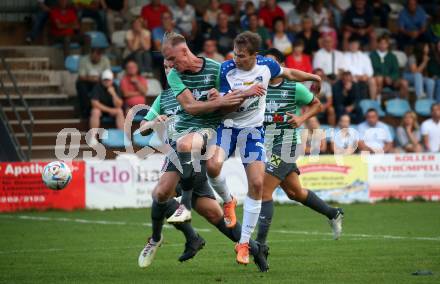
point(412, 24)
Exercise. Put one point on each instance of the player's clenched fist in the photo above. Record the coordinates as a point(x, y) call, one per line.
point(295, 121)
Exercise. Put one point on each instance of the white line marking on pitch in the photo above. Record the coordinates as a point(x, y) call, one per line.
point(105, 222)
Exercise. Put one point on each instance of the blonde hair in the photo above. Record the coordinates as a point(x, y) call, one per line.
point(413, 115)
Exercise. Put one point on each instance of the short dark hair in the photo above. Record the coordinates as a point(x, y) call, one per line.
point(278, 19)
point(383, 37)
point(248, 41)
point(371, 110)
point(279, 56)
point(354, 38)
point(298, 42)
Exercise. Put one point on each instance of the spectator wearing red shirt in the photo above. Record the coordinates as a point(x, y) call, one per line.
point(298, 59)
point(270, 12)
point(64, 24)
point(152, 13)
point(133, 86)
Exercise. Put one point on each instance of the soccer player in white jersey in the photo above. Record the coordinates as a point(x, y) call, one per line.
point(243, 128)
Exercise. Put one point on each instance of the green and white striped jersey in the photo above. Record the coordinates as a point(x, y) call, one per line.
point(288, 96)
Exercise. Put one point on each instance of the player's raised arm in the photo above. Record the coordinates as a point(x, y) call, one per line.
point(299, 76)
point(304, 98)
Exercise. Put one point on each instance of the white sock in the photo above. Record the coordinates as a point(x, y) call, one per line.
point(251, 212)
point(219, 185)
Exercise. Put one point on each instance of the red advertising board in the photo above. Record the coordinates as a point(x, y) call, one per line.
point(404, 176)
point(21, 188)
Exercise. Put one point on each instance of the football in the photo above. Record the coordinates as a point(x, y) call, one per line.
point(56, 175)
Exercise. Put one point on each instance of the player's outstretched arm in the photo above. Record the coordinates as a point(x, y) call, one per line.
point(299, 76)
point(313, 109)
point(304, 98)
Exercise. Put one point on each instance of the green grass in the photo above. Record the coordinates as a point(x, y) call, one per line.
point(302, 250)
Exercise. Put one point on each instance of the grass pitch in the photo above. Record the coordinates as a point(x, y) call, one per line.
point(382, 243)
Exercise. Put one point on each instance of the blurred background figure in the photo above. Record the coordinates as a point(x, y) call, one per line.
point(345, 138)
point(106, 101)
point(431, 130)
point(314, 138)
point(138, 40)
point(133, 86)
point(210, 51)
point(374, 135)
point(408, 134)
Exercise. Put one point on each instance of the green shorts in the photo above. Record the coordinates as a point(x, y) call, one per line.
point(275, 166)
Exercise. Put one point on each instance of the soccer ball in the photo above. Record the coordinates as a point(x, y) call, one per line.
point(56, 175)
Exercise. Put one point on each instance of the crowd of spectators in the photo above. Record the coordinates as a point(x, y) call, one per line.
point(354, 46)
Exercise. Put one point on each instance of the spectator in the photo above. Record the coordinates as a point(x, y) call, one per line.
point(106, 100)
point(224, 34)
point(386, 69)
point(416, 67)
point(408, 134)
point(210, 51)
point(346, 95)
point(328, 59)
point(91, 9)
point(325, 96)
point(90, 68)
point(152, 13)
point(266, 41)
point(115, 9)
point(296, 14)
point(139, 45)
point(431, 130)
point(309, 36)
point(133, 86)
point(281, 40)
point(64, 25)
point(375, 136)
point(40, 19)
point(167, 26)
point(382, 10)
point(211, 14)
point(338, 8)
point(360, 67)
point(358, 20)
point(270, 12)
point(412, 24)
point(320, 15)
point(345, 139)
point(185, 18)
point(249, 10)
point(299, 60)
point(314, 138)
point(434, 27)
point(434, 70)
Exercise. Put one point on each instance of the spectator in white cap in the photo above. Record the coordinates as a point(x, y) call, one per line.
point(106, 100)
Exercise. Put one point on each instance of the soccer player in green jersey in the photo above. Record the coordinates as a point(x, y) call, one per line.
point(164, 109)
point(282, 119)
point(193, 80)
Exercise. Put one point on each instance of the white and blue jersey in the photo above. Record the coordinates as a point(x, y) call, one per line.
point(244, 127)
point(251, 111)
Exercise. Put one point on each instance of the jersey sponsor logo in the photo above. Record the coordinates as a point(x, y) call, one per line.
point(172, 111)
point(207, 79)
point(276, 117)
point(273, 106)
point(275, 161)
point(197, 94)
